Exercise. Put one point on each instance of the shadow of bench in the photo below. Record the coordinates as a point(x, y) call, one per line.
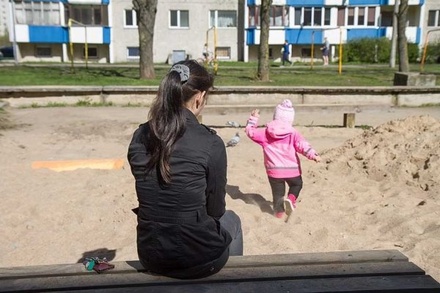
point(343, 271)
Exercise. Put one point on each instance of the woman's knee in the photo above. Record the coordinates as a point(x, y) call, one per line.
point(231, 222)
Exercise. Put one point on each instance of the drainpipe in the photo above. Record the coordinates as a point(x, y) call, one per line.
point(14, 40)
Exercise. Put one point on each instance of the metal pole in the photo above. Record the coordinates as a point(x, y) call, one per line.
point(215, 51)
point(313, 48)
point(340, 51)
point(86, 47)
point(69, 23)
point(425, 48)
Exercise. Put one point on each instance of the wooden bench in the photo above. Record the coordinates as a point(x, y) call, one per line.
point(345, 271)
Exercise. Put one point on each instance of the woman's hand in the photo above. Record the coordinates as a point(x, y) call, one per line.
point(255, 113)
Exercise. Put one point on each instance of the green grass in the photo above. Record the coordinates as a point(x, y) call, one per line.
point(81, 103)
point(229, 74)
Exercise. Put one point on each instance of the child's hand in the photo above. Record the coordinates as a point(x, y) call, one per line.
point(317, 159)
point(255, 113)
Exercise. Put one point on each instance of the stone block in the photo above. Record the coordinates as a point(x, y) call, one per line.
point(414, 79)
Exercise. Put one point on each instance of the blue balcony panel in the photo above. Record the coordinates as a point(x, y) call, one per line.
point(106, 35)
point(305, 3)
point(367, 2)
point(418, 35)
point(48, 34)
point(250, 36)
point(353, 34)
point(303, 36)
point(374, 2)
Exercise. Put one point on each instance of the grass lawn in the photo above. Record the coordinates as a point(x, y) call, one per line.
point(229, 74)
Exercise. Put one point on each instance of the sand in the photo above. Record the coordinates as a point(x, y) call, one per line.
point(374, 189)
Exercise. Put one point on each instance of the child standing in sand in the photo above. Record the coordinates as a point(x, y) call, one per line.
point(281, 144)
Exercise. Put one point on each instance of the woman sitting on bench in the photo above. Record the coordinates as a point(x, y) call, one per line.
point(184, 230)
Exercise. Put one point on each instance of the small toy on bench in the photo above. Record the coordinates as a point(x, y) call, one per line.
point(97, 264)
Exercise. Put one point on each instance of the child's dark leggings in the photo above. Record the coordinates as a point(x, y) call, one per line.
point(278, 186)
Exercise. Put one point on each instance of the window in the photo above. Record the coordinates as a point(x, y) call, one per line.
point(254, 13)
point(317, 16)
point(350, 18)
point(179, 18)
point(87, 14)
point(432, 16)
point(341, 16)
point(223, 52)
point(371, 16)
point(130, 19)
point(92, 52)
point(361, 16)
point(306, 52)
point(223, 18)
point(387, 18)
point(310, 16)
point(279, 16)
point(43, 52)
point(133, 52)
point(37, 13)
point(297, 16)
point(327, 16)
point(307, 16)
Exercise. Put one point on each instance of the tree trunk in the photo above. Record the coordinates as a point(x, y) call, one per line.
point(263, 53)
point(394, 36)
point(401, 36)
point(146, 16)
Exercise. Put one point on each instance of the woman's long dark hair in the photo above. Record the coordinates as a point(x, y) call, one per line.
point(166, 116)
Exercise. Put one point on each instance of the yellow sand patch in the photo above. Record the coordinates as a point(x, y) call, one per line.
point(104, 164)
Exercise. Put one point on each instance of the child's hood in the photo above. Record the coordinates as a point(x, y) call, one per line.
point(279, 129)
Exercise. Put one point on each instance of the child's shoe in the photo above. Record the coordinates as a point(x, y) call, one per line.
point(289, 205)
point(280, 215)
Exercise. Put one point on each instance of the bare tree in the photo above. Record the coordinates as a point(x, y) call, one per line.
point(263, 52)
point(401, 36)
point(146, 17)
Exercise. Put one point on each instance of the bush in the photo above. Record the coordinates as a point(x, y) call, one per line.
point(413, 53)
point(372, 50)
point(433, 53)
point(367, 50)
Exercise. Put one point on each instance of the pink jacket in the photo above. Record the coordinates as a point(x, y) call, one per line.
point(281, 144)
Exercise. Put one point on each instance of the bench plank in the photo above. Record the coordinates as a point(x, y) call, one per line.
point(233, 262)
point(399, 284)
point(227, 274)
point(359, 271)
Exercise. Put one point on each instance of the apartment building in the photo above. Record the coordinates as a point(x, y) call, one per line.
point(106, 30)
point(303, 23)
point(431, 26)
point(181, 27)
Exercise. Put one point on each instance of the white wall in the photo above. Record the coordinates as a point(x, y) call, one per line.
point(167, 39)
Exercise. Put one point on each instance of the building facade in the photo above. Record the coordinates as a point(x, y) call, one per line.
point(106, 30)
point(181, 27)
point(4, 17)
point(306, 22)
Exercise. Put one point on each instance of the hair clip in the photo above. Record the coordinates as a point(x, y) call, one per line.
point(183, 70)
